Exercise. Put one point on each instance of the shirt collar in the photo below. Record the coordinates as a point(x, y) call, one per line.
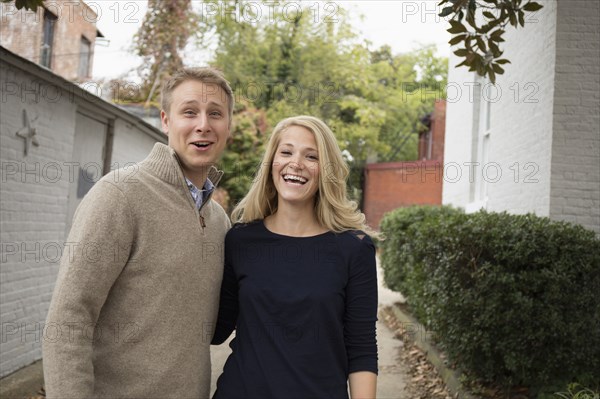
point(199, 196)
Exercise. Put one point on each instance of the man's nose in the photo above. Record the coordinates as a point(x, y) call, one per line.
point(202, 122)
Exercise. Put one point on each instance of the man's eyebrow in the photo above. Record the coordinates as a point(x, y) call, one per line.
point(195, 102)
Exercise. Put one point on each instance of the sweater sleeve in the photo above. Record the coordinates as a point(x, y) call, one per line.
point(228, 302)
point(97, 249)
point(361, 310)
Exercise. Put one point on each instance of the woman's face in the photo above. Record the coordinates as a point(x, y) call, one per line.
point(295, 168)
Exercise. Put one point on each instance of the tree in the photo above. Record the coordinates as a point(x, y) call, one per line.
point(167, 26)
point(481, 50)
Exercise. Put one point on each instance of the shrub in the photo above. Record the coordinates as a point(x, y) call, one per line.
point(512, 298)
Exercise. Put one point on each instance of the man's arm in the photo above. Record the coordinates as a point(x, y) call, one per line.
point(96, 251)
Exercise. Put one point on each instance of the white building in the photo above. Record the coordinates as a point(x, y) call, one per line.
point(531, 143)
point(56, 141)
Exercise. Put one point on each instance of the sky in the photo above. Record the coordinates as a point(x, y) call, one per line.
point(402, 24)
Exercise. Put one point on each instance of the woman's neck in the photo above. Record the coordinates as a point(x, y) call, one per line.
point(294, 221)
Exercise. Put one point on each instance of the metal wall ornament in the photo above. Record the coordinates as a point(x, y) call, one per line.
point(28, 133)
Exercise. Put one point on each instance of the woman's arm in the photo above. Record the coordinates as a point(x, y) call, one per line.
point(363, 385)
point(360, 321)
point(228, 304)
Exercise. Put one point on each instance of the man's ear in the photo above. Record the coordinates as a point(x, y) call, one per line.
point(164, 121)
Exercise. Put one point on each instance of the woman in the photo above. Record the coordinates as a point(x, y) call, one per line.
point(300, 280)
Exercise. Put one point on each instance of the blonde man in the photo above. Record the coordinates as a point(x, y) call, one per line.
point(135, 301)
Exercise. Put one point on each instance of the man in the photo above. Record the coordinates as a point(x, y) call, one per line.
point(136, 298)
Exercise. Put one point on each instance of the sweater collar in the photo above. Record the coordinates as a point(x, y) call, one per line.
point(164, 163)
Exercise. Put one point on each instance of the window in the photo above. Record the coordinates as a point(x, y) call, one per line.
point(85, 53)
point(48, 39)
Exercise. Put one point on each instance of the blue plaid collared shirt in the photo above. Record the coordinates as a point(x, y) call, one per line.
point(200, 195)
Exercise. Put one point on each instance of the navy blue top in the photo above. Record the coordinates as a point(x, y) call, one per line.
point(305, 310)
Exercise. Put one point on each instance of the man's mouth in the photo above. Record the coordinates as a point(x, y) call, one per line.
point(294, 179)
point(201, 144)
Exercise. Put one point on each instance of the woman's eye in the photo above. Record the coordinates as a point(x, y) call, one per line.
point(313, 157)
point(215, 113)
point(286, 152)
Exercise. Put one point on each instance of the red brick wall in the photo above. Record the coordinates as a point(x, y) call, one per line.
point(21, 32)
point(438, 129)
point(396, 184)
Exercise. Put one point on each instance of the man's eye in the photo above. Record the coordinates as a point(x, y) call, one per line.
point(215, 113)
point(189, 112)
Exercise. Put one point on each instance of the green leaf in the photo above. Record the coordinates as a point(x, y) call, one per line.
point(457, 39)
point(461, 52)
point(498, 69)
point(446, 11)
point(512, 17)
point(495, 49)
point(532, 6)
point(489, 15)
point(456, 27)
point(521, 18)
point(503, 61)
point(492, 76)
point(481, 44)
point(496, 34)
point(471, 19)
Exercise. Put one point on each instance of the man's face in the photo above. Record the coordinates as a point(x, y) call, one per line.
point(197, 125)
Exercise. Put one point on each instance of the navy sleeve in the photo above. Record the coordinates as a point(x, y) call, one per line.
point(361, 309)
point(228, 303)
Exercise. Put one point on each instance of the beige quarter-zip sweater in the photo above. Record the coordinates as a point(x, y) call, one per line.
point(136, 300)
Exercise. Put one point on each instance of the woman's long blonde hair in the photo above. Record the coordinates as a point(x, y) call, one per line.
point(333, 209)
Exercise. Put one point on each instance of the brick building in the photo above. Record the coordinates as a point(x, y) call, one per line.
point(57, 140)
point(390, 185)
point(60, 36)
point(531, 142)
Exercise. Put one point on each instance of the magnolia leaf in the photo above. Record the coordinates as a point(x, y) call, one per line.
point(461, 52)
point(456, 27)
point(503, 61)
point(521, 18)
point(496, 34)
point(457, 39)
point(498, 69)
point(532, 6)
point(492, 75)
point(481, 44)
point(446, 11)
point(489, 15)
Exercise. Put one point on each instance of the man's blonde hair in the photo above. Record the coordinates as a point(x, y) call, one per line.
point(205, 75)
point(333, 209)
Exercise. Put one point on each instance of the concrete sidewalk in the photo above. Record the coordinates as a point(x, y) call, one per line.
point(390, 383)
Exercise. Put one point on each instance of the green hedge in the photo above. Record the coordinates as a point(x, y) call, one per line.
point(514, 299)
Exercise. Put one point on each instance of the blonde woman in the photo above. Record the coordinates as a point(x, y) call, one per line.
point(300, 284)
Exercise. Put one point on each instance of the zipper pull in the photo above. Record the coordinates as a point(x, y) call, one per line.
point(202, 222)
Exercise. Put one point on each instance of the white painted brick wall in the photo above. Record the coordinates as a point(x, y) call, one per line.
point(575, 184)
point(130, 144)
point(521, 121)
point(32, 213)
point(33, 207)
